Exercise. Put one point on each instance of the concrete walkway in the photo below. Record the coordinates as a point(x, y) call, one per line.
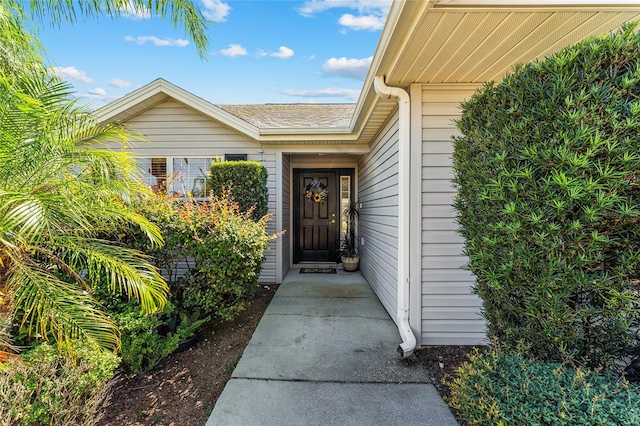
point(324, 353)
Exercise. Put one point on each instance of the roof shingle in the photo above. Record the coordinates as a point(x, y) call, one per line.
point(293, 115)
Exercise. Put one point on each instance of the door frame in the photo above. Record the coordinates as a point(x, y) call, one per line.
point(296, 201)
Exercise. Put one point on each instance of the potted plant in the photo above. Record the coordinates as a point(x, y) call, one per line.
point(348, 248)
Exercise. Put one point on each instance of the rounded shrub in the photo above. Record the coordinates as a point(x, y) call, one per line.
point(547, 170)
point(495, 388)
point(245, 181)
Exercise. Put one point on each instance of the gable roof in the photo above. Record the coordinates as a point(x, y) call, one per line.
point(434, 42)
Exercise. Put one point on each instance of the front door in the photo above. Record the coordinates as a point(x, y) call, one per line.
point(317, 219)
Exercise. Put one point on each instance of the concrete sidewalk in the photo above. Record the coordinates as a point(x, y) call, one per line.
point(324, 353)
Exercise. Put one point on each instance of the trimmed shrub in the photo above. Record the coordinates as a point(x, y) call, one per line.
point(498, 388)
point(247, 183)
point(547, 173)
point(43, 387)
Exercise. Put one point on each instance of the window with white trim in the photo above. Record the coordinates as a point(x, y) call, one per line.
point(181, 174)
point(190, 175)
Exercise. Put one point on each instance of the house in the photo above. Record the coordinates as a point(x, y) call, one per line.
point(391, 151)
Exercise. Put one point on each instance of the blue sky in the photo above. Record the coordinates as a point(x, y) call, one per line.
point(259, 52)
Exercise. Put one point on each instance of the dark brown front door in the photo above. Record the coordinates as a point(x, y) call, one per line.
point(317, 218)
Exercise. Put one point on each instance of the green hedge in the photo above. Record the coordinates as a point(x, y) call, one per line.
point(247, 183)
point(495, 388)
point(547, 173)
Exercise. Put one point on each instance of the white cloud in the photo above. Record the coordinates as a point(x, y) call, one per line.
point(131, 11)
point(368, 22)
point(215, 10)
point(283, 53)
point(234, 50)
point(97, 94)
point(157, 41)
point(72, 73)
point(377, 7)
point(116, 82)
point(351, 68)
point(324, 93)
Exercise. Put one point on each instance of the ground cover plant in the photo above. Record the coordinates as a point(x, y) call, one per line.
point(495, 387)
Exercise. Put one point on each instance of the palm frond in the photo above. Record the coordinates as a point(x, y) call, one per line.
point(53, 308)
point(127, 271)
point(181, 12)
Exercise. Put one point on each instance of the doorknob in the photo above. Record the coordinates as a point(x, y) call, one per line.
point(333, 221)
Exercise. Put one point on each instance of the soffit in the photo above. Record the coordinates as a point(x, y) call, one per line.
point(463, 44)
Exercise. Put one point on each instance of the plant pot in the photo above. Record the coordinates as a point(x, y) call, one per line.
point(350, 264)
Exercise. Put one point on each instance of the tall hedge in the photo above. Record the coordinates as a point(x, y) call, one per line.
point(548, 172)
point(248, 183)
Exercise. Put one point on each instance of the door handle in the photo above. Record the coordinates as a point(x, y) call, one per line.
point(333, 221)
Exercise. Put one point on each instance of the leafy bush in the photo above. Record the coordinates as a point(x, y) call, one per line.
point(146, 339)
point(226, 251)
point(248, 183)
point(547, 173)
point(498, 388)
point(43, 387)
point(212, 259)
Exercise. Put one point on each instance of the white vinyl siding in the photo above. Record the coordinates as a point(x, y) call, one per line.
point(174, 130)
point(378, 218)
point(450, 311)
point(286, 214)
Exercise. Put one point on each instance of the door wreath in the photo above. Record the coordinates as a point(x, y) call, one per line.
point(316, 191)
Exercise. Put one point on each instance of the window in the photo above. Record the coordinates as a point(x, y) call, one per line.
point(190, 175)
point(177, 175)
point(153, 172)
point(235, 157)
point(345, 200)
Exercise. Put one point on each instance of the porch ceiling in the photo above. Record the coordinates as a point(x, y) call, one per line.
point(474, 41)
point(453, 42)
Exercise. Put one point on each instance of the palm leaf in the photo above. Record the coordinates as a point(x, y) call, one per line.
point(127, 271)
point(53, 308)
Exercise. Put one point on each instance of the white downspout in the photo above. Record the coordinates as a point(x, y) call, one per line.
point(404, 180)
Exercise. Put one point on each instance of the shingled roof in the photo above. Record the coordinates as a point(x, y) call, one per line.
point(293, 115)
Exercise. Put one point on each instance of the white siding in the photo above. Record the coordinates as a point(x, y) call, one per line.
point(450, 311)
point(174, 130)
point(378, 219)
point(286, 214)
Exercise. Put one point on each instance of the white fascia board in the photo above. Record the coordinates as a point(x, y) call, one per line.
point(189, 99)
point(129, 100)
point(524, 5)
point(367, 94)
point(212, 111)
point(292, 137)
point(305, 131)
